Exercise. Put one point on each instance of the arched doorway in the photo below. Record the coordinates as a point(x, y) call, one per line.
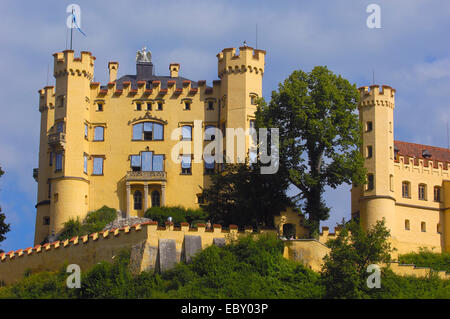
point(289, 231)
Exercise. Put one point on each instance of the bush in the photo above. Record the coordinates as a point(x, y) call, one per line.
point(95, 221)
point(179, 215)
point(427, 258)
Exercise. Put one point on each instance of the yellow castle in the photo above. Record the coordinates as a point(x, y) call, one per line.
point(111, 144)
point(408, 184)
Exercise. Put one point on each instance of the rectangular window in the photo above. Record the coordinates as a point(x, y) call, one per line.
point(147, 161)
point(370, 182)
point(437, 194)
point(158, 132)
point(407, 227)
point(137, 131)
point(160, 106)
point(98, 166)
point(86, 128)
point(209, 133)
point(368, 126)
point(46, 220)
point(369, 152)
point(148, 131)
point(187, 133)
point(210, 105)
point(158, 163)
point(58, 160)
point(209, 164)
point(135, 162)
point(187, 105)
point(85, 167)
point(138, 106)
point(100, 107)
point(99, 133)
point(391, 182)
point(186, 164)
point(423, 226)
point(149, 106)
point(59, 127)
point(50, 159)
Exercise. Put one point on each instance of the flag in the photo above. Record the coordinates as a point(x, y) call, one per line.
point(76, 25)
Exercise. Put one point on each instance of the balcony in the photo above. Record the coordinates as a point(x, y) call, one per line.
point(57, 139)
point(146, 176)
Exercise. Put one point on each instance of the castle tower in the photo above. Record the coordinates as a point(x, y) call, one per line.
point(376, 200)
point(241, 84)
point(66, 182)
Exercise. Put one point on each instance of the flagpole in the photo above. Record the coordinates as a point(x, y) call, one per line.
point(71, 31)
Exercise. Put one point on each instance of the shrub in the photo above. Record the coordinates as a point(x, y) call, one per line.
point(95, 221)
point(179, 215)
point(427, 258)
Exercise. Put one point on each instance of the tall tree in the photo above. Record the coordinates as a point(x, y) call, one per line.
point(240, 194)
point(4, 227)
point(319, 135)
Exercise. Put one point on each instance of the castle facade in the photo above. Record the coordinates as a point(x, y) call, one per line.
point(112, 144)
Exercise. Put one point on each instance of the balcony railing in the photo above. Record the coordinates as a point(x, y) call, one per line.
point(146, 176)
point(57, 139)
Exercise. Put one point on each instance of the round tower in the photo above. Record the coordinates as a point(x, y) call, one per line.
point(69, 187)
point(376, 198)
point(241, 85)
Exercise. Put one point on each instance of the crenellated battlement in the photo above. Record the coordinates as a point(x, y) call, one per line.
point(248, 60)
point(421, 163)
point(373, 95)
point(65, 63)
point(46, 98)
point(325, 235)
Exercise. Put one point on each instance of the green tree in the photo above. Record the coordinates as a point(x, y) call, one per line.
point(240, 194)
point(319, 135)
point(4, 227)
point(344, 273)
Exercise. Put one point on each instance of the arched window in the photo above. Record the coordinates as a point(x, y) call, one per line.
point(137, 196)
point(405, 190)
point(156, 200)
point(422, 192)
point(437, 194)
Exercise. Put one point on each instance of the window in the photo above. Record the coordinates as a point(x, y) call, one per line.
point(137, 199)
point(209, 133)
point(391, 182)
point(210, 106)
point(138, 106)
point(437, 194)
point(58, 161)
point(59, 127)
point(422, 192)
point(50, 163)
point(147, 161)
point(85, 166)
point(369, 152)
point(253, 99)
point(209, 164)
point(46, 220)
point(405, 190)
point(100, 107)
point(200, 198)
point(370, 182)
point(186, 164)
point(423, 226)
point(156, 199)
point(187, 105)
point(186, 132)
point(86, 130)
point(407, 226)
point(160, 106)
point(368, 126)
point(148, 131)
point(149, 106)
point(99, 133)
point(98, 166)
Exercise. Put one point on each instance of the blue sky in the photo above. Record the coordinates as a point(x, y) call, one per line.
point(410, 52)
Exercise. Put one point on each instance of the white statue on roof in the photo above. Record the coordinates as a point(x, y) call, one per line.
point(144, 55)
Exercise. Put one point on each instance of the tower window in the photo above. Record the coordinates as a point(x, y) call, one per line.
point(369, 126)
point(407, 225)
point(86, 130)
point(370, 182)
point(369, 152)
point(405, 190)
point(46, 220)
point(100, 107)
point(422, 192)
point(50, 159)
point(437, 194)
point(58, 161)
point(98, 166)
point(137, 199)
point(423, 226)
point(187, 105)
point(210, 106)
point(85, 166)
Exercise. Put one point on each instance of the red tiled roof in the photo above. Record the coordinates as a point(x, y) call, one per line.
point(415, 150)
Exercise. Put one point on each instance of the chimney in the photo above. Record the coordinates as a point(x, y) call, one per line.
point(174, 69)
point(113, 68)
point(144, 70)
